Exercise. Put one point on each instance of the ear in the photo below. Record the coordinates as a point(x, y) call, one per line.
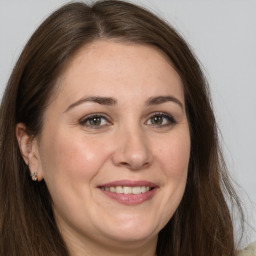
point(28, 145)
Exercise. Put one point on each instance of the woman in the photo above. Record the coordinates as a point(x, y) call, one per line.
point(108, 142)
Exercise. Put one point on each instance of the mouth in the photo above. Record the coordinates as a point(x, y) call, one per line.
point(129, 192)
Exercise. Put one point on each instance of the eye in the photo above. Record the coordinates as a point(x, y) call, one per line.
point(94, 121)
point(161, 120)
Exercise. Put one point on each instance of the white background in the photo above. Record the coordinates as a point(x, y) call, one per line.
point(222, 33)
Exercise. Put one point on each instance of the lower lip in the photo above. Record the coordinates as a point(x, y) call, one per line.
point(131, 199)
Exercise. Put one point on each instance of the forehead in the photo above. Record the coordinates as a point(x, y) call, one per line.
point(108, 67)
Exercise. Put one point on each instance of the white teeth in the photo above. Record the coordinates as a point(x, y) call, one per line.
point(112, 189)
point(136, 190)
point(127, 190)
point(119, 190)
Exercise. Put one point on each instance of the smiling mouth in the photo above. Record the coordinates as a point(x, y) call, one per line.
point(128, 190)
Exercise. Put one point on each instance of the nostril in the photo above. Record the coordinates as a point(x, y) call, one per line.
point(134, 165)
point(132, 154)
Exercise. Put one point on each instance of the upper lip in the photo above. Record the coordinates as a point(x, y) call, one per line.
point(128, 183)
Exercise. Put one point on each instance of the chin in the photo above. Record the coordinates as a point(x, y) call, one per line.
point(134, 232)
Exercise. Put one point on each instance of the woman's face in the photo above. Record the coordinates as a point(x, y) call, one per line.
point(115, 145)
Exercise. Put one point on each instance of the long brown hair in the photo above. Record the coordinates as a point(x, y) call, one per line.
point(202, 224)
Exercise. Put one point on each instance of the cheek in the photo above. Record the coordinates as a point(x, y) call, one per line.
point(76, 157)
point(173, 154)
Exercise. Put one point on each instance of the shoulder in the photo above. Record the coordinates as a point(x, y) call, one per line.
point(250, 250)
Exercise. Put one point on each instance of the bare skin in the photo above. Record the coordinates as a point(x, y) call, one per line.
point(118, 121)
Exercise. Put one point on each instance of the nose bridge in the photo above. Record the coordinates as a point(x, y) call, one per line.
point(132, 149)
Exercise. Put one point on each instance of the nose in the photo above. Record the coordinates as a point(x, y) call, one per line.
point(132, 150)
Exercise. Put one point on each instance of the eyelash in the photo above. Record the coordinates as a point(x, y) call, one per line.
point(85, 121)
point(170, 120)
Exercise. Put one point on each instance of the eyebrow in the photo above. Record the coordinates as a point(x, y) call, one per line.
point(100, 100)
point(162, 99)
point(108, 101)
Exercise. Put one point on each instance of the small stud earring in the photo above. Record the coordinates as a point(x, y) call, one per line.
point(34, 176)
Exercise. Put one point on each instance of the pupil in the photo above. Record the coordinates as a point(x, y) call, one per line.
point(95, 121)
point(157, 120)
